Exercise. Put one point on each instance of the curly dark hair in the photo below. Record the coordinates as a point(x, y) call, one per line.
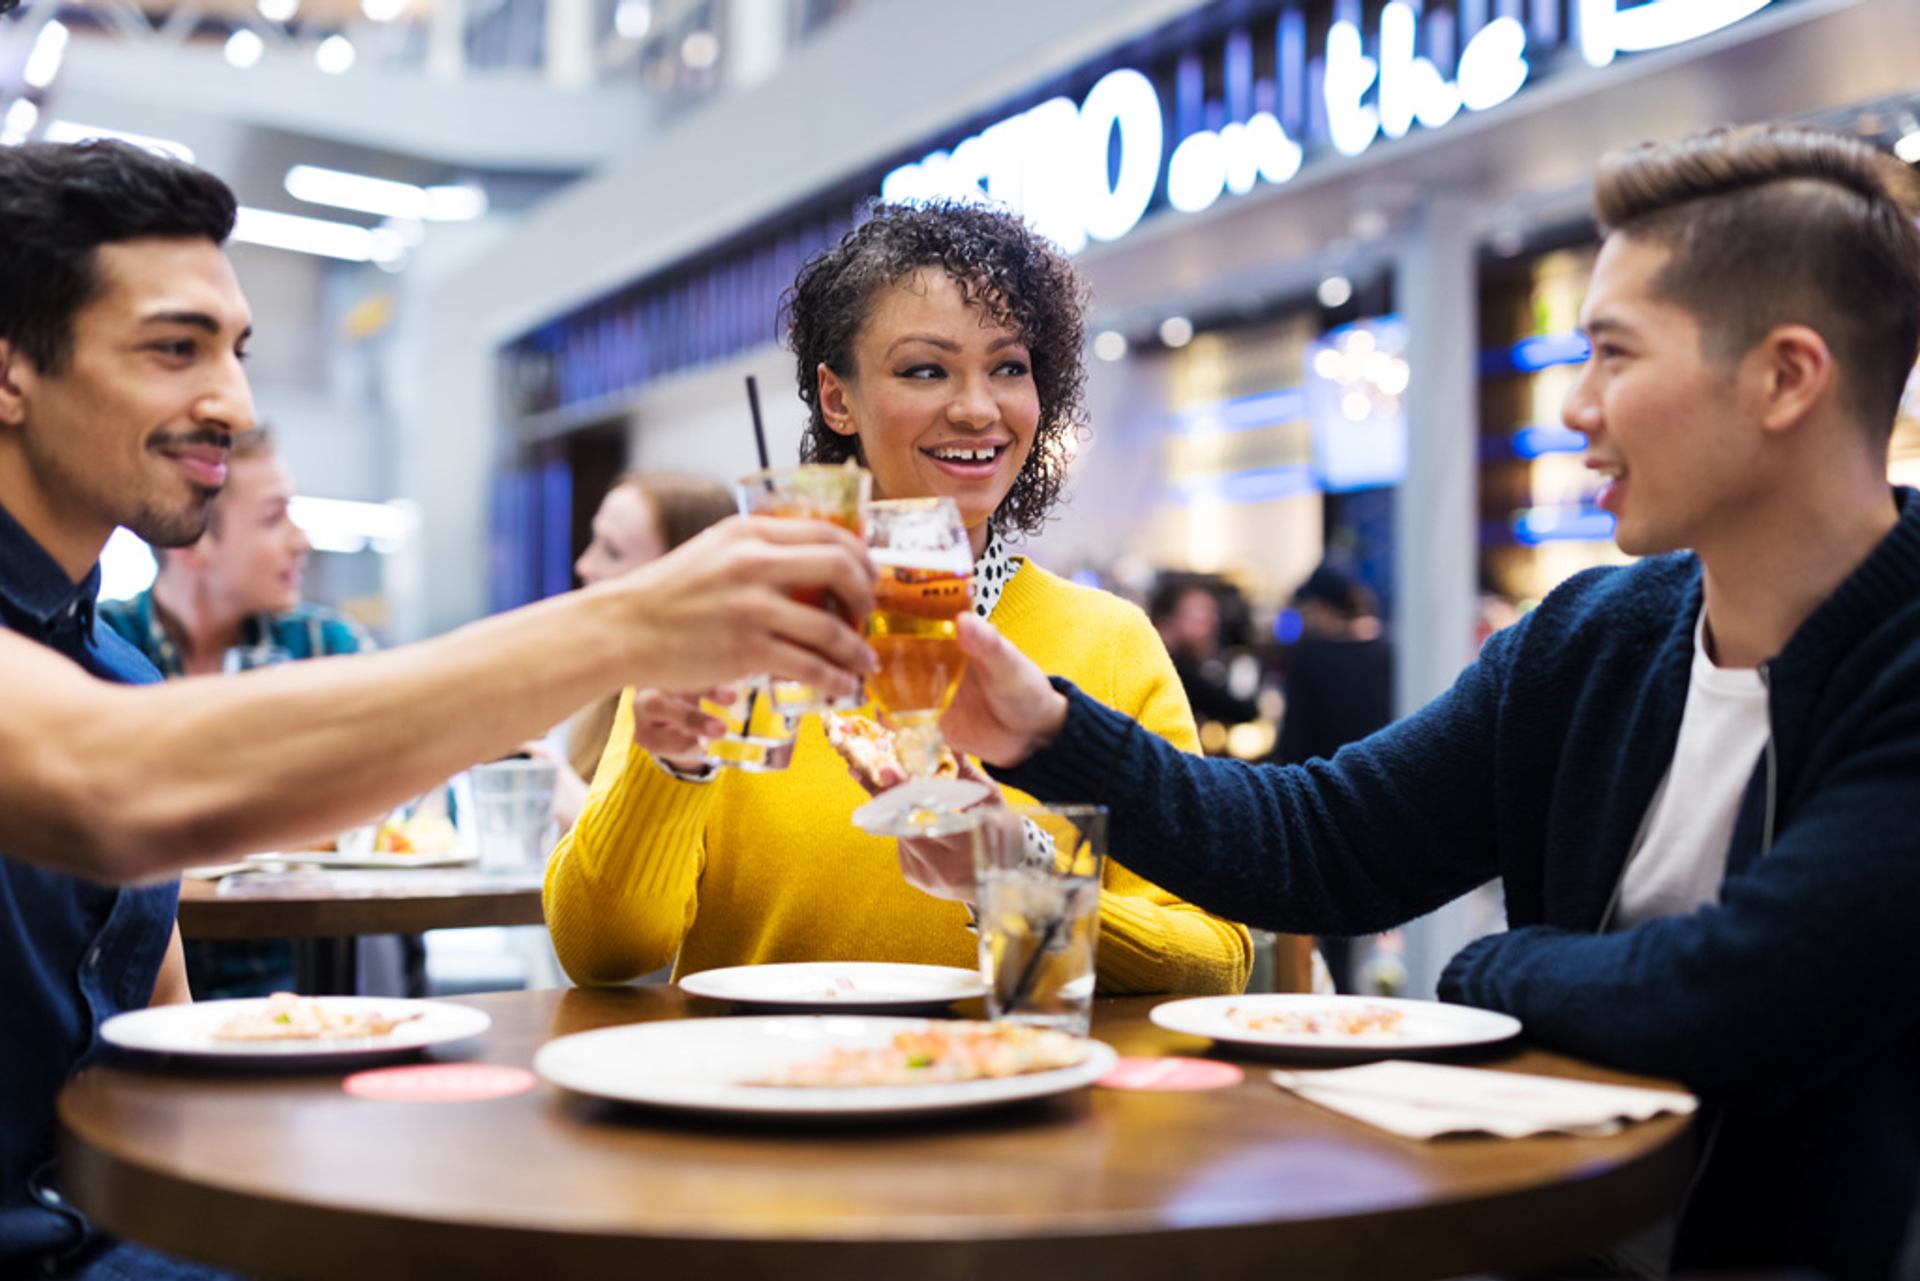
point(999, 264)
point(58, 203)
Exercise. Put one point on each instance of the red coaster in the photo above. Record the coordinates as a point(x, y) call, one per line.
point(1172, 1074)
point(439, 1083)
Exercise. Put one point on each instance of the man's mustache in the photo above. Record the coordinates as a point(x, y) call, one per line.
point(177, 439)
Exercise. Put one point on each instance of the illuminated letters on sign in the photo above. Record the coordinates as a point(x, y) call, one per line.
point(1051, 162)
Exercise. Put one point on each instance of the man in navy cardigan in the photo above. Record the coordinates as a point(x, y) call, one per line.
point(1698, 776)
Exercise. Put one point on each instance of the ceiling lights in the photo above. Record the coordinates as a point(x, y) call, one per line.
point(700, 50)
point(316, 236)
point(244, 48)
point(18, 122)
point(43, 63)
point(633, 19)
point(455, 202)
point(334, 55)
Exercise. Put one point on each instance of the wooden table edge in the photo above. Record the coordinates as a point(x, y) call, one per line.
point(332, 918)
point(132, 1201)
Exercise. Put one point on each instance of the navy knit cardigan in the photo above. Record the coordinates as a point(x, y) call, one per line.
point(1792, 1006)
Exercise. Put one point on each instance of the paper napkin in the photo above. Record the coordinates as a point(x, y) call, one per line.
point(1426, 1100)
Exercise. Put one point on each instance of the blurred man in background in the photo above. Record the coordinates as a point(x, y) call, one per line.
point(232, 599)
point(1340, 672)
point(238, 587)
point(1186, 613)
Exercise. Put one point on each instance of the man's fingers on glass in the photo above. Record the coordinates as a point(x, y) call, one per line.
point(827, 636)
point(789, 661)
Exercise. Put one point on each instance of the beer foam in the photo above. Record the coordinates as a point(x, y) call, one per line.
point(944, 560)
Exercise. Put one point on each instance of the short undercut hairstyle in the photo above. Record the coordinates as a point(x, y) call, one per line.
point(60, 202)
point(1013, 274)
point(1772, 225)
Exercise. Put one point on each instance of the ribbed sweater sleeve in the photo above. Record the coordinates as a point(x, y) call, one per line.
point(622, 886)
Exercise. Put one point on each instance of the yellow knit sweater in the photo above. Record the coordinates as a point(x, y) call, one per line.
point(752, 868)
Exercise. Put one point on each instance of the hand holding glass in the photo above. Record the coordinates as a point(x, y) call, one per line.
point(836, 495)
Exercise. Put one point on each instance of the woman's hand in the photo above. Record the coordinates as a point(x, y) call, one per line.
point(942, 866)
point(673, 729)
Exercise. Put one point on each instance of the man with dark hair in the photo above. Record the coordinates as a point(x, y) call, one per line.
point(235, 593)
point(1186, 613)
point(122, 329)
point(1697, 775)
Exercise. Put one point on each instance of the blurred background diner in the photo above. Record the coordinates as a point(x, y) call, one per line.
point(501, 255)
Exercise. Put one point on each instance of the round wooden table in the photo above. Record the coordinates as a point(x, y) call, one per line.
point(324, 911)
point(288, 1176)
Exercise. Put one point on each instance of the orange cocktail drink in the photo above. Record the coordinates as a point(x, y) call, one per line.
point(835, 494)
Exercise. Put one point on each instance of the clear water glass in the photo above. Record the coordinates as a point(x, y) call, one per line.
point(1037, 871)
point(513, 813)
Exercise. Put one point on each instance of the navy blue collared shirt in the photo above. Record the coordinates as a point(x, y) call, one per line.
point(72, 953)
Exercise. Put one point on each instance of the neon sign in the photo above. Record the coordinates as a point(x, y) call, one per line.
point(1052, 164)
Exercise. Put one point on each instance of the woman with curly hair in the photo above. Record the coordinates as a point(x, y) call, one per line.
point(940, 346)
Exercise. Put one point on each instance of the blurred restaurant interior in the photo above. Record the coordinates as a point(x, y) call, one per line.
point(1344, 336)
point(500, 252)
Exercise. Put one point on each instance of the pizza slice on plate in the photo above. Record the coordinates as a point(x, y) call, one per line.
point(868, 747)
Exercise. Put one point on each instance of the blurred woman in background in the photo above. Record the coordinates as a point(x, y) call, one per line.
point(644, 516)
point(941, 347)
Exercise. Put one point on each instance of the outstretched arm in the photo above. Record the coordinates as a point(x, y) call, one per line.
point(119, 783)
point(1390, 828)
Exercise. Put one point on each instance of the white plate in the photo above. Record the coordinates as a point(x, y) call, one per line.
point(372, 859)
point(837, 985)
point(188, 1030)
point(940, 804)
point(1427, 1025)
point(700, 1065)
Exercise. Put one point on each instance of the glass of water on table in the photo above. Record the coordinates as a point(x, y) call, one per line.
point(1037, 872)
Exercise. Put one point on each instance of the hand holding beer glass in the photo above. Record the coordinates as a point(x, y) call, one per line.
point(925, 562)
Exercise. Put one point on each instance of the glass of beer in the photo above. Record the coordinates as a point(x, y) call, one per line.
point(836, 494)
point(925, 561)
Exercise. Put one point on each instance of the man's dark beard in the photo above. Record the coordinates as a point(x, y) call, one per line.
point(175, 529)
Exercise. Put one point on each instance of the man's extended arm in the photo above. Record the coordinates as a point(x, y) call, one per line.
point(119, 783)
point(1390, 829)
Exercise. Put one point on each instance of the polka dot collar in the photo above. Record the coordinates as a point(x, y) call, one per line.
point(991, 574)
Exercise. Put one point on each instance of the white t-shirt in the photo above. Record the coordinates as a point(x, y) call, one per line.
point(1680, 856)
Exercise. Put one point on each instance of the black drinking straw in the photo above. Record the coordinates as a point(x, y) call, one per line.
point(766, 464)
point(759, 427)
